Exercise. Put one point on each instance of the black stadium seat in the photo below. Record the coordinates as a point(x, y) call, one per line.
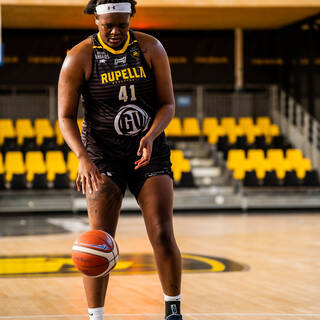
point(39, 181)
point(61, 181)
point(250, 179)
point(19, 181)
point(311, 179)
point(187, 180)
point(291, 179)
point(271, 179)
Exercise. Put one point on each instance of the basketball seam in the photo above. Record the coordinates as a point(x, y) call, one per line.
point(92, 251)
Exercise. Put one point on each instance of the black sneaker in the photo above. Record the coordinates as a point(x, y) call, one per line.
point(174, 317)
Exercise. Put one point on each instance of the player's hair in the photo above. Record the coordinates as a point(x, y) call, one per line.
point(91, 6)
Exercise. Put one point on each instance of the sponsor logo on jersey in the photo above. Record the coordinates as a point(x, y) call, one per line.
point(131, 120)
point(102, 57)
point(122, 60)
point(123, 74)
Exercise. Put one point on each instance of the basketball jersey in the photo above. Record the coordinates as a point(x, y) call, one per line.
point(120, 101)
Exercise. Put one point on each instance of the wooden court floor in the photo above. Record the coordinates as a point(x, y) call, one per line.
point(280, 279)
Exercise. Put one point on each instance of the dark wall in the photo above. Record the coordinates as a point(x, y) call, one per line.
point(35, 57)
point(196, 57)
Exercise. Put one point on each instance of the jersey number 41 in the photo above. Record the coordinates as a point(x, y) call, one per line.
point(123, 95)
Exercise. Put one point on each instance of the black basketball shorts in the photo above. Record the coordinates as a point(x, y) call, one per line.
point(122, 171)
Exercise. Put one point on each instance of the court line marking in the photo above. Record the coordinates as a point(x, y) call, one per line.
point(160, 314)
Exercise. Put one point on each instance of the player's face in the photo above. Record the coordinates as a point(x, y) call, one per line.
point(113, 28)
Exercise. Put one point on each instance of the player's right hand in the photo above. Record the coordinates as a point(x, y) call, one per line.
point(89, 177)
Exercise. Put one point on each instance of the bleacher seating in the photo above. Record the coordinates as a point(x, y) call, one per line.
point(36, 156)
point(242, 134)
point(274, 169)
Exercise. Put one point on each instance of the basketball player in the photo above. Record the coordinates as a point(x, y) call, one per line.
point(125, 81)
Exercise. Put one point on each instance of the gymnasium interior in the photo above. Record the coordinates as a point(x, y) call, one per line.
point(245, 153)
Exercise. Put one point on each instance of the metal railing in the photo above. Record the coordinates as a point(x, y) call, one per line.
point(302, 130)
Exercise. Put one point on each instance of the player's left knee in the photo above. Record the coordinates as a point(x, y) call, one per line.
point(163, 239)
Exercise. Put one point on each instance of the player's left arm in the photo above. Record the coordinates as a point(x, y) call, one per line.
point(166, 104)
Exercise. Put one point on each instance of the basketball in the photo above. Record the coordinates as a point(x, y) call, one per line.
point(95, 253)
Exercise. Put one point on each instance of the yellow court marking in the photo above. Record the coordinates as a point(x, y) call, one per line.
point(216, 266)
point(127, 264)
point(43, 264)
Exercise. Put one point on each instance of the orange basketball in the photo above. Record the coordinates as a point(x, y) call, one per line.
point(95, 253)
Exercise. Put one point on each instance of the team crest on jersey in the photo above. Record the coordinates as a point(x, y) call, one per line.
point(135, 53)
point(131, 120)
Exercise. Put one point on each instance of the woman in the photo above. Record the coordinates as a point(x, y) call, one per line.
point(125, 81)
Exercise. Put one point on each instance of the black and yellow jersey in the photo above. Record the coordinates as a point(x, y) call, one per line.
point(120, 101)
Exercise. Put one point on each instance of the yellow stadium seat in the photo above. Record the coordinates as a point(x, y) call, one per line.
point(6, 130)
point(264, 124)
point(209, 125)
point(34, 164)
point(233, 133)
point(14, 164)
point(179, 164)
point(281, 167)
point(294, 155)
point(240, 171)
point(275, 155)
point(261, 167)
point(43, 129)
point(191, 127)
point(72, 165)
point(278, 162)
point(302, 166)
point(174, 128)
point(256, 155)
point(235, 157)
point(55, 164)
point(214, 135)
point(251, 132)
point(228, 122)
point(274, 130)
point(245, 122)
point(24, 129)
point(176, 154)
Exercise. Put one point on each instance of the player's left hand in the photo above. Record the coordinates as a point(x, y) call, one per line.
point(145, 151)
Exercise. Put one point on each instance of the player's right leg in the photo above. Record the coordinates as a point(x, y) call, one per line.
point(103, 212)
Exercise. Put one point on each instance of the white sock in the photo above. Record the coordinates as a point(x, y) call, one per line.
point(96, 313)
point(172, 298)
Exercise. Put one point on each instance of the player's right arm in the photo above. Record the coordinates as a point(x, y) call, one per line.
point(75, 70)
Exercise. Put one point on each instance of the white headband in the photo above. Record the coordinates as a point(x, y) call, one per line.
point(122, 7)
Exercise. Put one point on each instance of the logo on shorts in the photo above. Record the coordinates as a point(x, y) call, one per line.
point(131, 120)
